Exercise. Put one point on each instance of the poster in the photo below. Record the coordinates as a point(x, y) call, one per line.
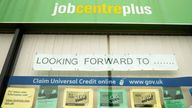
point(47, 97)
point(78, 98)
point(173, 97)
point(18, 98)
point(145, 98)
point(112, 98)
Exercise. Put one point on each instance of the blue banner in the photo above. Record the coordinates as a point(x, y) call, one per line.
point(100, 81)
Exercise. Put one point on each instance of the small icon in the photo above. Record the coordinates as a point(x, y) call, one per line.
point(121, 82)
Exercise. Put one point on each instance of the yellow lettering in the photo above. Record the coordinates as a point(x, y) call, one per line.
point(79, 9)
point(97, 9)
point(88, 9)
point(109, 8)
point(104, 10)
point(117, 9)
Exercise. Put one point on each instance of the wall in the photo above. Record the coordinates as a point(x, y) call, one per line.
point(181, 46)
point(5, 42)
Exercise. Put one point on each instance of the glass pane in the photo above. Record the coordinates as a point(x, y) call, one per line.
point(181, 46)
point(59, 45)
point(56, 87)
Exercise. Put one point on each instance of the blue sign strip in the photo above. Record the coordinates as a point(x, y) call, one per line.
point(100, 81)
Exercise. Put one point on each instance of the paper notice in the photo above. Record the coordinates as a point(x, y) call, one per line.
point(78, 98)
point(145, 98)
point(18, 98)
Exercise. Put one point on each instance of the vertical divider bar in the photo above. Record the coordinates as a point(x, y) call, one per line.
point(9, 62)
point(109, 73)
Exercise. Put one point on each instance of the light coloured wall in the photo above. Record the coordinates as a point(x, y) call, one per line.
point(181, 46)
point(5, 42)
point(58, 44)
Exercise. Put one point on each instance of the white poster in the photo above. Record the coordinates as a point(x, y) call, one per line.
point(128, 62)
